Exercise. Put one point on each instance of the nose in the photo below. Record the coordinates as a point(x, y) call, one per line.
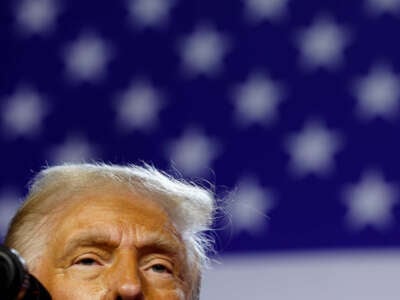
point(129, 291)
point(126, 279)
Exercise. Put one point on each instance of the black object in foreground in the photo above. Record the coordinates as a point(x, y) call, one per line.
point(15, 281)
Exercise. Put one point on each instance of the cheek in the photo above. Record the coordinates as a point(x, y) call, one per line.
point(66, 288)
point(167, 295)
point(42, 272)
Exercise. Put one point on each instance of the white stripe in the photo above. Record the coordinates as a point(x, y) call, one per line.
point(352, 275)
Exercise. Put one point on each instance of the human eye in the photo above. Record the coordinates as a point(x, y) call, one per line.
point(161, 268)
point(158, 267)
point(87, 261)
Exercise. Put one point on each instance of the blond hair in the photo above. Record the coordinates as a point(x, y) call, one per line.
point(189, 206)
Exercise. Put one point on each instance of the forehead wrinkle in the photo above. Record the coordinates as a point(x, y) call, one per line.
point(165, 239)
point(121, 234)
point(104, 235)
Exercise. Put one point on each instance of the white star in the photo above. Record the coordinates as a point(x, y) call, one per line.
point(377, 7)
point(249, 205)
point(138, 107)
point(257, 100)
point(378, 93)
point(193, 153)
point(312, 150)
point(370, 202)
point(9, 203)
point(87, 57)
point(75, 149)
point(23, 113)
point(36, 16)
point(322, 44)
point(203, 51)
point(258, 10)
point(150, 13)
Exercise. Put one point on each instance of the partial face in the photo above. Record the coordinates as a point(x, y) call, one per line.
point(111, 244)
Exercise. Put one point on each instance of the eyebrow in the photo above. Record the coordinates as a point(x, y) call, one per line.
point(161, 242)
point(90, 238)
point(102, 239)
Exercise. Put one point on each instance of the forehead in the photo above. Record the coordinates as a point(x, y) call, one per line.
point(115, 212)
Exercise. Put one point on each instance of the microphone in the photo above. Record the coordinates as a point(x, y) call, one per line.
point(15, 281)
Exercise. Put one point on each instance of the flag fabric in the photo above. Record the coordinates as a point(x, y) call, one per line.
point(288, 109)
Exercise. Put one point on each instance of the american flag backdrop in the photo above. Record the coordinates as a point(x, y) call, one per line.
point(289, 109)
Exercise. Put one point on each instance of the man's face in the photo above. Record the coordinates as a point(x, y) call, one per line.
point(110, 244)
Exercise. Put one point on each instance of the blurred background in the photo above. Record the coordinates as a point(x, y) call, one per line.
point(288, 109)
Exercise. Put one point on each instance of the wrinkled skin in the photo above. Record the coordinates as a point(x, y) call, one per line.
point(110, 244)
